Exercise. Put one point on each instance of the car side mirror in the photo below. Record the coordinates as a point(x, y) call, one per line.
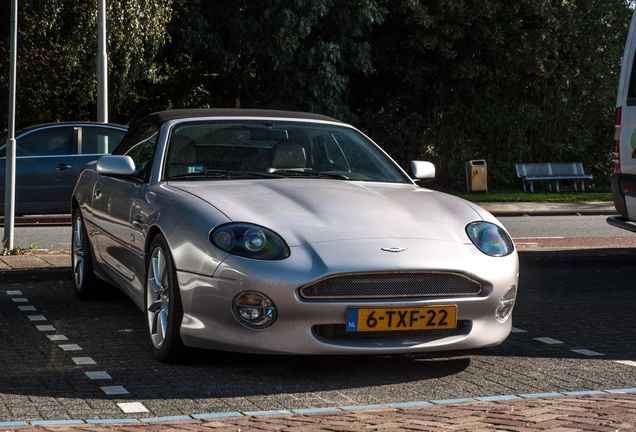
point(423, 170)
point(118, 166)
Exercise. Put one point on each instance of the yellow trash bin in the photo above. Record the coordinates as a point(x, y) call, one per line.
point(477, 175)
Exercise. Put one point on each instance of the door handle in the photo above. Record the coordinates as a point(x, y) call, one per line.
point(63, 167)
point(97, 194)
point(137, 221)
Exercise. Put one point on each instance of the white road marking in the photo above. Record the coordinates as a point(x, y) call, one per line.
point(19, 300)
point(548, 340)
point(10, 292)
point(45, 327)
point(626, 362)
point(83, 361)
point(57, 337)
point(587, 352)
point(36, 317)
point(132, 407)
point(114, 390)
point(516, 330)
point(26, 308)
point(98, 375)
point(71, 347)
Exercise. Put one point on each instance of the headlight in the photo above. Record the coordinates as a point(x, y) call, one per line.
point(250, 241)
point(490, 239)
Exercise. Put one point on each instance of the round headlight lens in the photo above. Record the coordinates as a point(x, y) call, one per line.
point(249, 241)
point(489, 238)
point(254, 240)
point(224, 238)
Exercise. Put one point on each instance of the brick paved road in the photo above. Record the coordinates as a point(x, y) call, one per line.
point(63, 359)
point(602, 413)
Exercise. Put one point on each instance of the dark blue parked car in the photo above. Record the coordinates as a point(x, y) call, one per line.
point(48, 160)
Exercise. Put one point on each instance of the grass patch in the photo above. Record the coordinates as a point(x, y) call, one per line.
point(597, 195)
point(16, 250)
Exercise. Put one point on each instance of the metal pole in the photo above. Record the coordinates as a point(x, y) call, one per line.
point(102, 64)
point(9, 190)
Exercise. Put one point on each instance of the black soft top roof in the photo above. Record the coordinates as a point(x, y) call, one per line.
point(158, 118)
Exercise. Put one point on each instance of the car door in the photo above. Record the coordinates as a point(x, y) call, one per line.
point(112, 203)
point(43, 183)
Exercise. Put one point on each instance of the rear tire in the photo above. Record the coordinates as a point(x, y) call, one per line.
point(163, 308)
point(85, 284)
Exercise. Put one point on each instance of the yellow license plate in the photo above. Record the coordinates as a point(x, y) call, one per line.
point(383, 319)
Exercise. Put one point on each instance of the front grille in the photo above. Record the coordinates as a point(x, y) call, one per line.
point(339, 331)
point(379, 285)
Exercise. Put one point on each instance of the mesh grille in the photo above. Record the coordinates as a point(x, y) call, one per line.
point(374, 285)
point(339, 331)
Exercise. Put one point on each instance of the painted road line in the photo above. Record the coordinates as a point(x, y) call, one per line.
point(548, 340)
point(114, 390)
point(587, 352)
point(71, 347)
point(98, 375)
point(626, 362)
point(83, 361)
point(451, 401)
point(132, 407)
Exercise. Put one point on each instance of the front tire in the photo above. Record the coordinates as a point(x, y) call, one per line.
point(85, 283)
point(163, 308)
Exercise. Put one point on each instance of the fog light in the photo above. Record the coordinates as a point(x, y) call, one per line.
point(506, 304)
point(250, 313)
point(254, 310)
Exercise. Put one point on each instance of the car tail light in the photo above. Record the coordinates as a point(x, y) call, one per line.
point(617, 140)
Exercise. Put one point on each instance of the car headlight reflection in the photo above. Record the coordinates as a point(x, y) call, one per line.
point(490, 239)
point(249, 241)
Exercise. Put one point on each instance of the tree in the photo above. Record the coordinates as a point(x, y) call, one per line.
point(527, 81)
point(291, 54)
point(57, 46)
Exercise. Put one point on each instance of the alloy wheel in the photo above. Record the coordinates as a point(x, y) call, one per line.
point(158, 298)
point(78, 252)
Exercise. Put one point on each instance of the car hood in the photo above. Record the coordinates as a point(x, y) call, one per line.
point(305, 211)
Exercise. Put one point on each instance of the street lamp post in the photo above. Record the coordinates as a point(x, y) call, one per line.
point(9, 190)
point(102, 64)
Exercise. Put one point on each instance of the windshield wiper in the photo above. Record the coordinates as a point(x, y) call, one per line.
point(293, 173)
point(225, 174)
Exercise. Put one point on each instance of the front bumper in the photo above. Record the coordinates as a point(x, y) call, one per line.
point(209, 321)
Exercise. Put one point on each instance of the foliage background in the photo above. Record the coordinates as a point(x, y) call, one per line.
point(441, 80)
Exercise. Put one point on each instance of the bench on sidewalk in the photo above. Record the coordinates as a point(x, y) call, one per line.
point(529, 172)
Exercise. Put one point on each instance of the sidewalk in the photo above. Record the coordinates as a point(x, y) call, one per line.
point(501, 209)
point(593, 411)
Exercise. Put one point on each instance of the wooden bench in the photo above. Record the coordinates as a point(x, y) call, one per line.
point(529, 172)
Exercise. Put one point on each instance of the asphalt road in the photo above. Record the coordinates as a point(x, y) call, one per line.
point(575, 325)
point(561, 226)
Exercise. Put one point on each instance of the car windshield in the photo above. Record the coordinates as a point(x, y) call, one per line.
point(274, 149)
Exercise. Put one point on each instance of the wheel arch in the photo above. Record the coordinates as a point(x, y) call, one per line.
point(153, 232)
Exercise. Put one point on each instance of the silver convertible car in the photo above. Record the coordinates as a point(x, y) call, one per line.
point(286, 233)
